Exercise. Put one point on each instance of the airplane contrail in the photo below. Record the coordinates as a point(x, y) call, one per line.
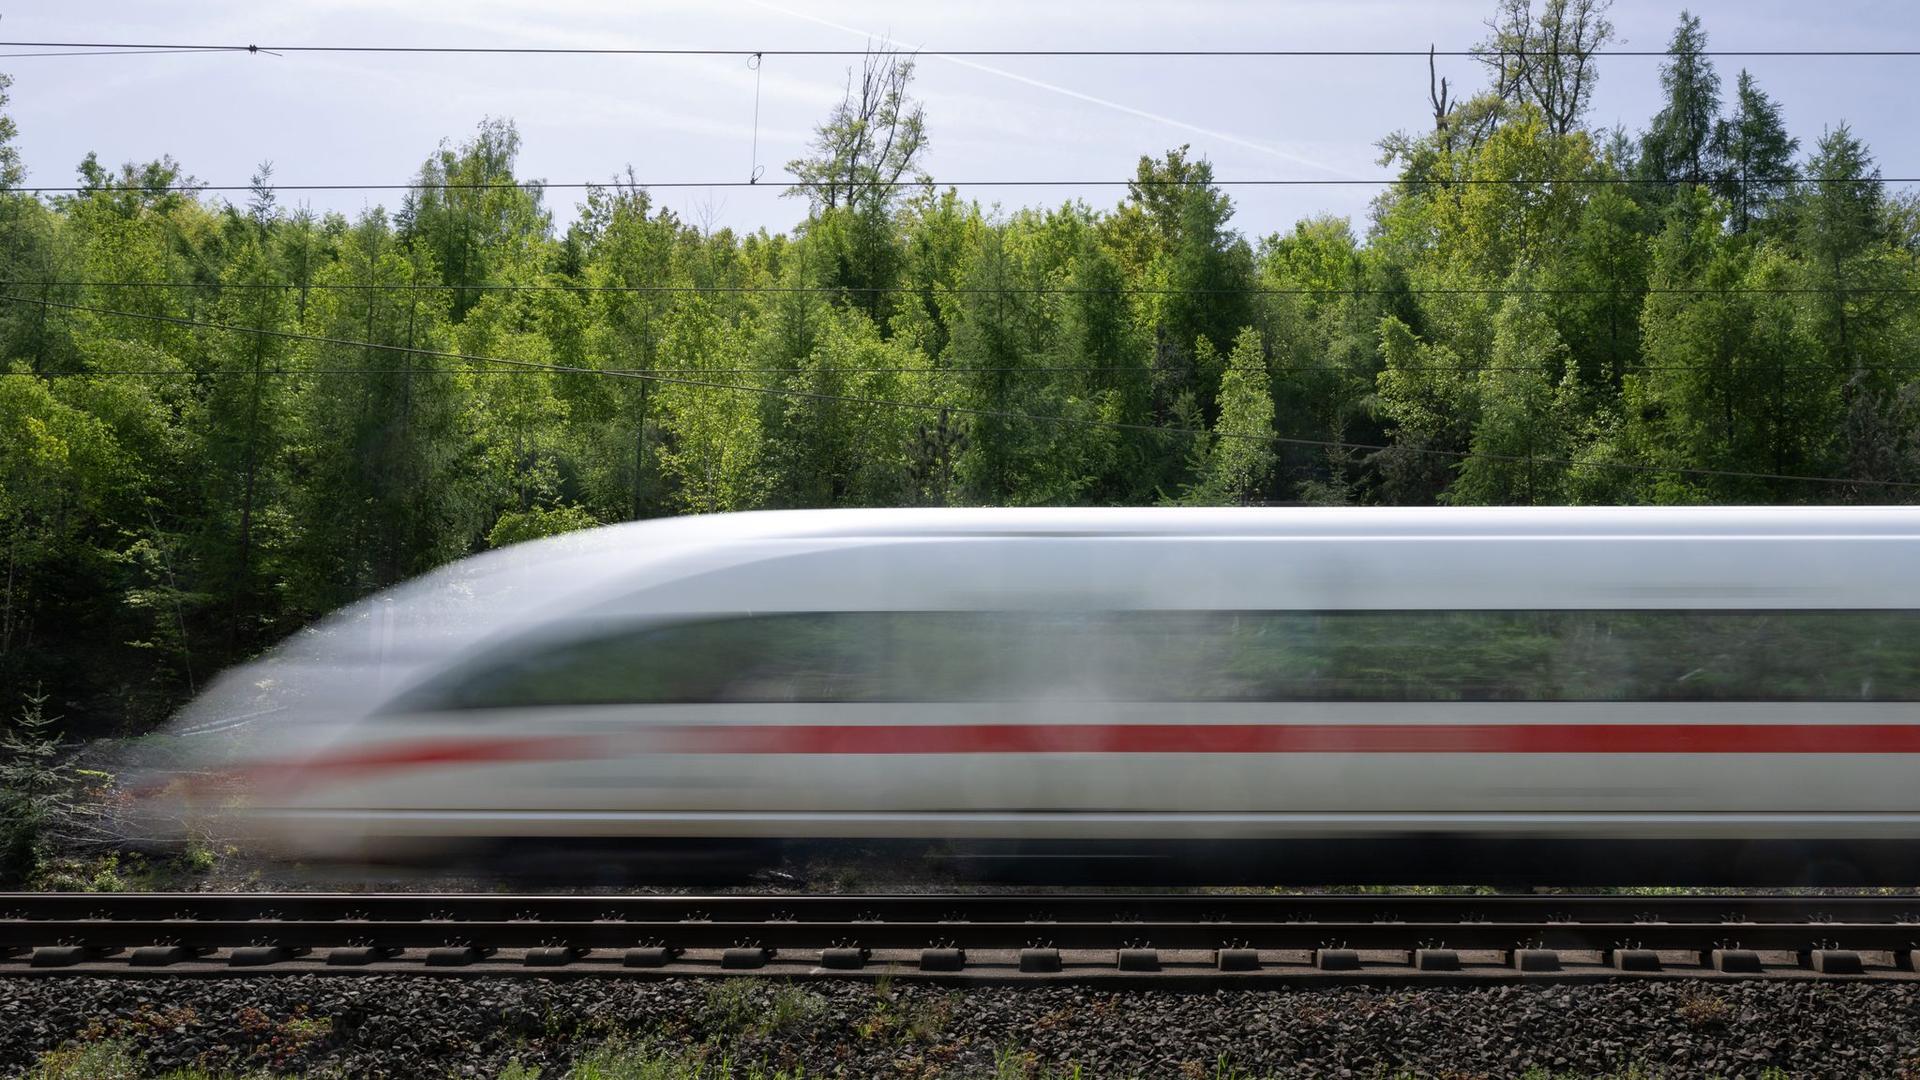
point(1211, 133)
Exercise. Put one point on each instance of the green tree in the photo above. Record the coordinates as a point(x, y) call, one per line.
point(1099, 335)
point(1854, 309)
point(376, 453)
point(862, 159)
point(1320, 318)
point(714, 451)
point(65, 479)
point(240, 433)
point(1546, 60)
point(515, 417)
point(517, 526)
point(1711, 392)
point(1757, 170)
point(1526, 413)
point(990, 347)
point(630, 260)
point(1426, 401)
point(12, 168)
point(1174, 233)
point(1241, 459)
point(471, 214)
point(34, 789)
point(1679, 145)
point(832, 447)
point(1602, 273)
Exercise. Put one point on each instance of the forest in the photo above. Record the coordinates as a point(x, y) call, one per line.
point(221, 418)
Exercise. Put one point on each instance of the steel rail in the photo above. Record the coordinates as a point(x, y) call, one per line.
point(528, 934)
point(935, 907)
point(1861, 936)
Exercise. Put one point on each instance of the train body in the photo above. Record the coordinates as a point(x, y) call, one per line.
point(1577, 696)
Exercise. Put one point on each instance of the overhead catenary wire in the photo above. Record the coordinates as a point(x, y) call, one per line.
point(962, 410)
point(1168, 53)
point(103, 51)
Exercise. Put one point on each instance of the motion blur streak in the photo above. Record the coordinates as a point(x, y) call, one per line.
point(1242, 690)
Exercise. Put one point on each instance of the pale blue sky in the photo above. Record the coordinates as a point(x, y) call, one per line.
point(344, 118)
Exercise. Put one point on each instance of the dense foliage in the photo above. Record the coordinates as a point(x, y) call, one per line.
point(220, 420)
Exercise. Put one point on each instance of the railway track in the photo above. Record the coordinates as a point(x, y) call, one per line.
point(1200, 938)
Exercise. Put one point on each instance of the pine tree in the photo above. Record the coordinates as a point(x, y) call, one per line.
point(33, 788)
point(1679, 145)
point(1756, 155)
point(1841, 226)
point(1242, 458)
point(1843, 212)
point(1853, 277)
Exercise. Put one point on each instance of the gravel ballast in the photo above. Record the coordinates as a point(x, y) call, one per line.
point(428, 1026)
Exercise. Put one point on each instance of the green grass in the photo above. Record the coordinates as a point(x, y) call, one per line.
point(746, 1006)
point(90, 1061)
point(113, 1059)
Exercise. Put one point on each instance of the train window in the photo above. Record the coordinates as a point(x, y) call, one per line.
point(1213, 656)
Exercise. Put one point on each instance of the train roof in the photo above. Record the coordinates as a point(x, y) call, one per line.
point(1336, 558)
point(631, 563)
point(1278, 521)
point(581, 569)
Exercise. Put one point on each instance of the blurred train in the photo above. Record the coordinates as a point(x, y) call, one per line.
point(1560, 696)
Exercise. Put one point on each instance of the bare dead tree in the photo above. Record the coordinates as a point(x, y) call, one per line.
point(1443, 108)
point(1547, 59)
point(870, 143)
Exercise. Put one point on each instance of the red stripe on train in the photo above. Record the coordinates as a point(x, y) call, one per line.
point(1288, 739)
point(400, 756)
point(1110, 739)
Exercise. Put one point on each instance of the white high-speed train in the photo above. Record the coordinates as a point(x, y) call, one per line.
point(1337, 695)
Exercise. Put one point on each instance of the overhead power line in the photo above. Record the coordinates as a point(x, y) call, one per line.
point(960, 410)
point(1268, 181)
point(1251, 53)
point(100, 52)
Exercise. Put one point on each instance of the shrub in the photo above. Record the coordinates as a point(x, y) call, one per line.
point(35, 789)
